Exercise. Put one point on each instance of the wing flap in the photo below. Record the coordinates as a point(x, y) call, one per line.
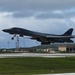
point(72, 36)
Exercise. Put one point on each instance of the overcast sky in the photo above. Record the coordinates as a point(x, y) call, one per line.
point(48, 16)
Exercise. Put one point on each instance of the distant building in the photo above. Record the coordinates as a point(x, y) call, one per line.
point(68, 47)
point(51, 48)
point(60, 47)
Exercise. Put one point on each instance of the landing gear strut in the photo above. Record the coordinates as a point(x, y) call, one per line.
point(13, 37)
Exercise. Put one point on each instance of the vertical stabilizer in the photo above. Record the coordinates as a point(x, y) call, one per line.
point(68, 32)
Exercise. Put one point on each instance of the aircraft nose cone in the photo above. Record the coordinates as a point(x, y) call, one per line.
point(4, 30)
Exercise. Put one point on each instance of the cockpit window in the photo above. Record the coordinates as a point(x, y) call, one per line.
point(13, 28)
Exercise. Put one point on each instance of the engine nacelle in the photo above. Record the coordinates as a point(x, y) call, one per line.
point(21, 35)
point(45, 43)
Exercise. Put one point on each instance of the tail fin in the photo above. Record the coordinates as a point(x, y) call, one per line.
point(68, 32)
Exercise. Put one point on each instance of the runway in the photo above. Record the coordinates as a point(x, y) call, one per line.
point(12, 55)
point(59, 74)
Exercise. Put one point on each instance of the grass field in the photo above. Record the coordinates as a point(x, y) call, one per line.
point(36, 65)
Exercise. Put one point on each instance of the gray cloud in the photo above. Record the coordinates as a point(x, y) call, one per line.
point(36, 4)
point(69, 14)
point(23, 14)
point(47, 15)
point(26, 8)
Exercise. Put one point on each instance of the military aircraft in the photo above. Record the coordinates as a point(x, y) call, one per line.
point(42, 37)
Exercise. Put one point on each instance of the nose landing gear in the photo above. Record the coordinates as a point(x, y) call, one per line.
point(13, 37)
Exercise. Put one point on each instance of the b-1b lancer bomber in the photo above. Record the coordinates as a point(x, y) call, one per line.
point(42, 37)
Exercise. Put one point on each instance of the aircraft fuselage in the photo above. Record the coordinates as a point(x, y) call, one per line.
point(42, 37)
